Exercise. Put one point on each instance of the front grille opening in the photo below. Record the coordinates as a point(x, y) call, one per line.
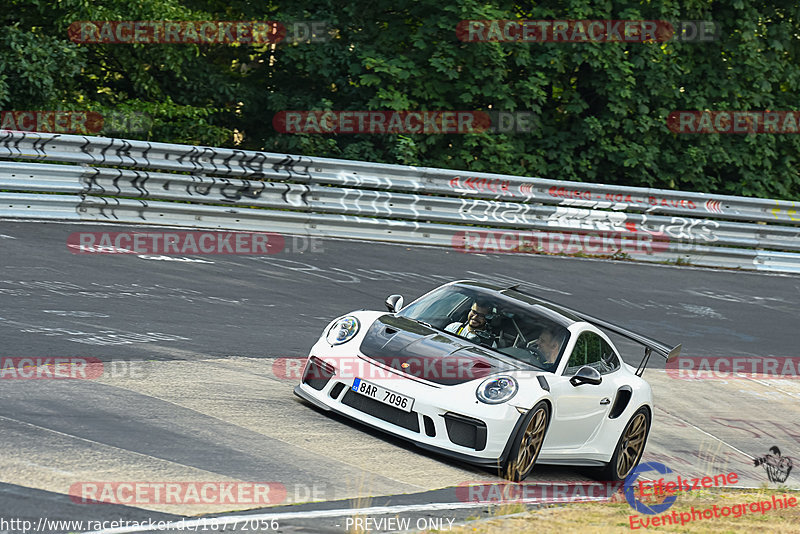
point(430, 430)
point(318, 373)
point(407, 420)
point(466, 431)
point(336, 390)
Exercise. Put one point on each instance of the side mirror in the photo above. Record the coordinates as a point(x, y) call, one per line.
point(586, 375)
point(394, 303)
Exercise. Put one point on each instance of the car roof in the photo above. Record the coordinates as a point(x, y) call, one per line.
point(551, 311)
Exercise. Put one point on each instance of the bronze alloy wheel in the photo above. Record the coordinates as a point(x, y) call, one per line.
point(631, 445)
point(530, 444)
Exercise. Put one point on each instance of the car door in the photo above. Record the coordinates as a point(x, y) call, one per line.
point(579, 410)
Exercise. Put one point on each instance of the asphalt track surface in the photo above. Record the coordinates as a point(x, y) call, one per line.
point(194, 395)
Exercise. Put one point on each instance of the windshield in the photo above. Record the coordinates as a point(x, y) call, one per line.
point(491, 320)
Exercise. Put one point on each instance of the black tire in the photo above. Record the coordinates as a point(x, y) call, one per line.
point(527, 443)
point(630, 447)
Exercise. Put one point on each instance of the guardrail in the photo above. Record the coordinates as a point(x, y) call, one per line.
point(138, 182)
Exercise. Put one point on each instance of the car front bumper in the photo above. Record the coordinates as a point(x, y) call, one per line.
point(445, 419)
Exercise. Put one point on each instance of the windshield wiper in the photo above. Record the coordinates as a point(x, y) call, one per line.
point(423, 323)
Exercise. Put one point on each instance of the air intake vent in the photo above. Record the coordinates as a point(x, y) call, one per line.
point(430, 429)
point(407, 420)
point(336, 390)
point(318, 373)
point(466, 431)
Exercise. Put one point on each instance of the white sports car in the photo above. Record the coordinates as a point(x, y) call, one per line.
point(489, 375)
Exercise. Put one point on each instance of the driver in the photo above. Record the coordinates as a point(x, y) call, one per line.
point(548, 344)
point(477, 327)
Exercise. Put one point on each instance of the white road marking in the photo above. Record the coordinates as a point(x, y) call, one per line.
point(313, 514)
point(712, 436)
point(702, 310)
point(75, 313)
point(91, 441)
point(172, 258)
point(47, 468)
point(771, 384)
point(91, 250)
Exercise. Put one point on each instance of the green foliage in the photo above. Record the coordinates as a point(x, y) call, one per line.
point(600, 108)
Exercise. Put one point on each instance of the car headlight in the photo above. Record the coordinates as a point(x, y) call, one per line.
point(496, 390)
point(343, 330)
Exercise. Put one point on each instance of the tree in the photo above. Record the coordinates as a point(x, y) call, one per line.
point(600, 108)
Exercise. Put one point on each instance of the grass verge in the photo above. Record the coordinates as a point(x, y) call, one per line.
point(597, 518)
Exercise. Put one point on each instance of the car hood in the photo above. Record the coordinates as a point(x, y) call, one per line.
point(420, 351)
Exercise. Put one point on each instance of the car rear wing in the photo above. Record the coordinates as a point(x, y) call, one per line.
point(650, 344)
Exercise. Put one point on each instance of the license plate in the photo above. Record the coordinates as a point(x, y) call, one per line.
point(383, 395)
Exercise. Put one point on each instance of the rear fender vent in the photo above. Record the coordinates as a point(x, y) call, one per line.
point(621, 402)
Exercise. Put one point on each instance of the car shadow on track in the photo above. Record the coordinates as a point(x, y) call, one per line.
point(541, 473)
